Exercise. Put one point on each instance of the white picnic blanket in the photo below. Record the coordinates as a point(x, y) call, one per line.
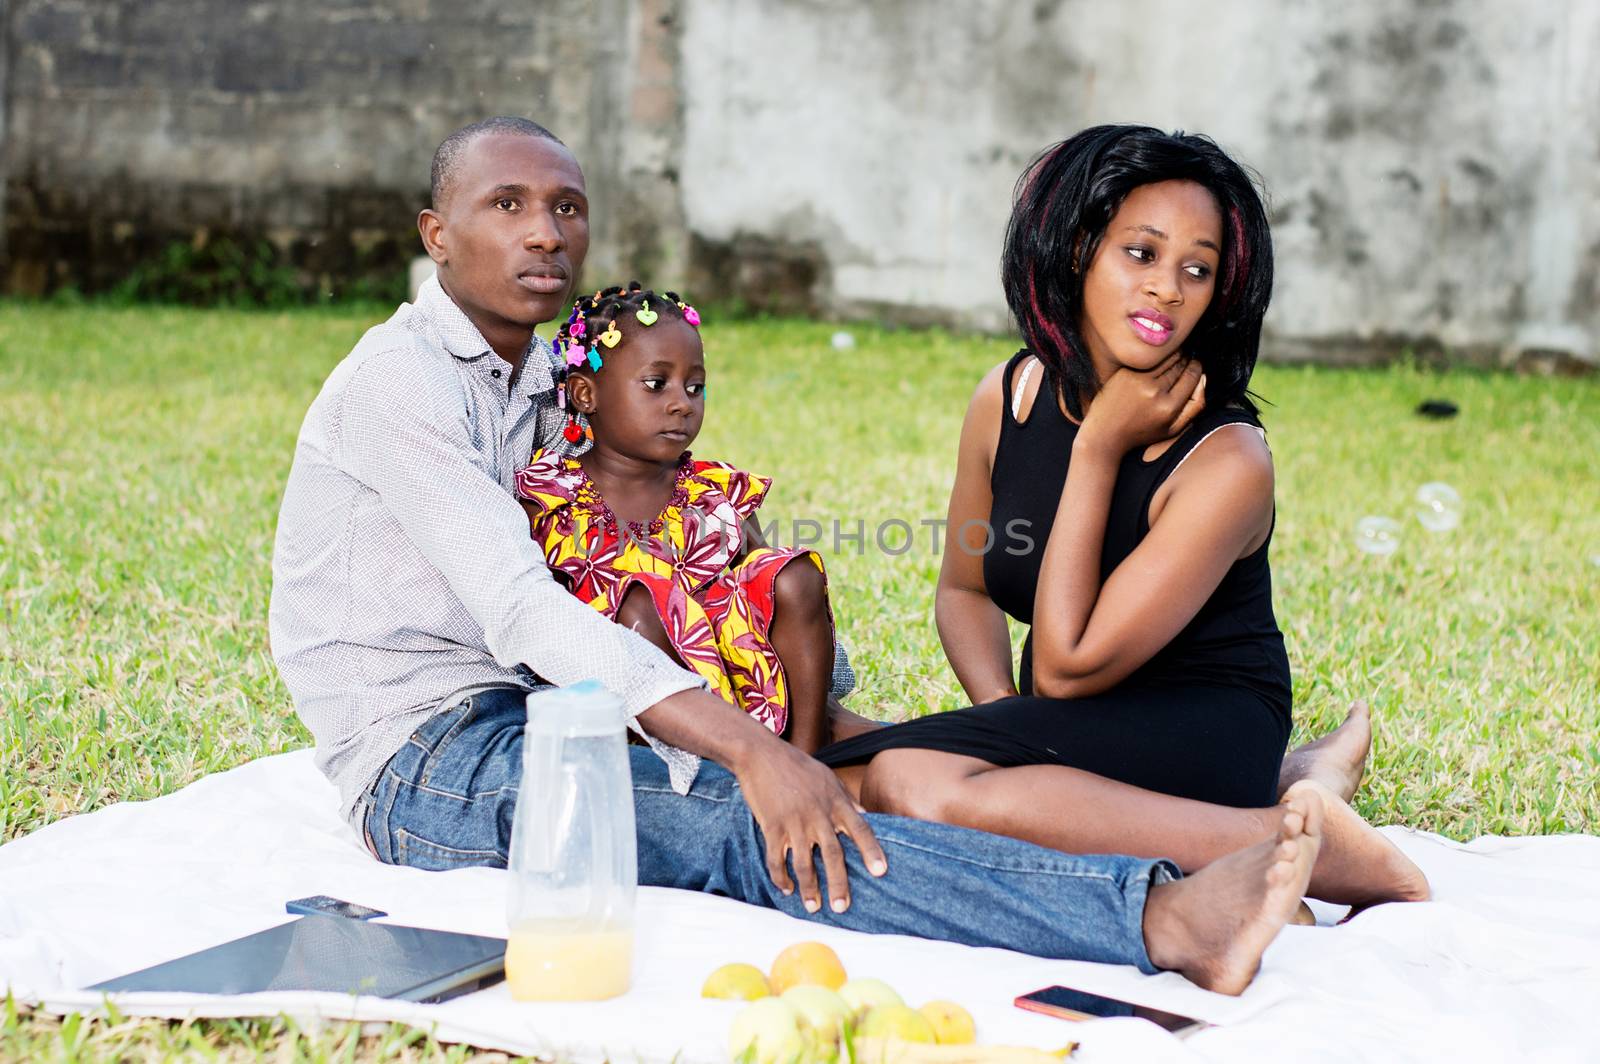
point(1504, 965)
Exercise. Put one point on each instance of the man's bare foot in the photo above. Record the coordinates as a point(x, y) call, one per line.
point(1214, 925)
point(1337, 760)
point(1357, 866)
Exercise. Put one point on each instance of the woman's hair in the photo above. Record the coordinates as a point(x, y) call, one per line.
point(1065, 200)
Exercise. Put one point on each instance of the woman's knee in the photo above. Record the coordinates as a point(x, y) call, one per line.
point(897, 782)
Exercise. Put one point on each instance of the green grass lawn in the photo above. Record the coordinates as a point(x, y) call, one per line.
point(144, 451)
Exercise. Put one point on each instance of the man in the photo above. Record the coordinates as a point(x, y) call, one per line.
point(411, 613)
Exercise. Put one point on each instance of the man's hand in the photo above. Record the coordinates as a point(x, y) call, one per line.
point(802, 808)
point(797, 801)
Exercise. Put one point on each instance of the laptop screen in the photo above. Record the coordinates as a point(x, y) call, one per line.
point(330, 953)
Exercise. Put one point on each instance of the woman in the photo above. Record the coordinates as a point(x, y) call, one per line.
point(1114, 491)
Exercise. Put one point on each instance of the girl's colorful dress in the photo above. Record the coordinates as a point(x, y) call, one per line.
point(714, 597)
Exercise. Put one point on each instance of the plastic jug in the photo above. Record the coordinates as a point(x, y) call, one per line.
point(574, 859)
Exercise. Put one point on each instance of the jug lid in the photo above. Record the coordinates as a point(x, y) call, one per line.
point(580, 710)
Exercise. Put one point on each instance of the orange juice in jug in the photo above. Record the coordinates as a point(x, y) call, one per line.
point(567, 961)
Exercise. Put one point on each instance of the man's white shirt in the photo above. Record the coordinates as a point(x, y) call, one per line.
point(403, 570)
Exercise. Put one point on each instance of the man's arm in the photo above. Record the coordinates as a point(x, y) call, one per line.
point(404, 434)
point(410, 444)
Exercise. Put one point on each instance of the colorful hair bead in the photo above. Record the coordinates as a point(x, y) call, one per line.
point(645, 315)
point(611, 337)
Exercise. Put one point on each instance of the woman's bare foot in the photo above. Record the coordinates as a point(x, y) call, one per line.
point(1337, 760)
point(1214, 925)
point(1357, 866)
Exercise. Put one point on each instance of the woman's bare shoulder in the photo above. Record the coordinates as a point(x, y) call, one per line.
point(981, 429)
point(990, 397)
point(1230, 467)
point(1237, 445)
point(988, 402)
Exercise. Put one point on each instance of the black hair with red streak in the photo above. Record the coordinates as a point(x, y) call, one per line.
point(1064, 201)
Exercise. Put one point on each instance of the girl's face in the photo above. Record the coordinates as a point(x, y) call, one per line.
point(648, 399)
point(1152, 277)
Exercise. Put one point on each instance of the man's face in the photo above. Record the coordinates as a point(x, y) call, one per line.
point(512, 234)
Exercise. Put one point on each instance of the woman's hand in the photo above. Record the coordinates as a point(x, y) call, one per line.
point(1135, 408)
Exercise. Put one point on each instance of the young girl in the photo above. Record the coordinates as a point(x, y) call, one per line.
point(666, 544)
point(1119, 463)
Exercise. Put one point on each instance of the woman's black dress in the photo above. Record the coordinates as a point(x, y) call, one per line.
point(1206, 718)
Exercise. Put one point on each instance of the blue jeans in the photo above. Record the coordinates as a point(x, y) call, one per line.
point(446, 801)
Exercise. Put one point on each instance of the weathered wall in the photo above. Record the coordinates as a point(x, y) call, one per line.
point(132, 123)
point(1434, 168)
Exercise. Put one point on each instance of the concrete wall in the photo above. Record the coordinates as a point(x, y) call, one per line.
point(133, 123)
point(1432, 167)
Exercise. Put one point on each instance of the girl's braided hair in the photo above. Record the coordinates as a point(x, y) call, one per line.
point(610, 304)
point(593, 327)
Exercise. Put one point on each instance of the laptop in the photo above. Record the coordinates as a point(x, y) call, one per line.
point(334, 954)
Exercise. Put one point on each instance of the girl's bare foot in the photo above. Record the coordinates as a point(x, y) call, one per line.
point(1337, 760)
point(1357, 866)
point(1214, 925)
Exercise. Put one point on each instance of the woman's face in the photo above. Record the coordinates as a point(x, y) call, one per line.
point(1152, 276)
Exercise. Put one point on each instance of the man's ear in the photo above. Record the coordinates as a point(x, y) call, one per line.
point(580, 393)
point(431, 225)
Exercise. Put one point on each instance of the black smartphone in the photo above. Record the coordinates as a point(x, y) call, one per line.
point(1068, 1004)
point(326, 906)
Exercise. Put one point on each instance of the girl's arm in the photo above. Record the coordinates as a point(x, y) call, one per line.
point(972, 629)
point(1086, 637)
point(813, 723)
point(753, 539)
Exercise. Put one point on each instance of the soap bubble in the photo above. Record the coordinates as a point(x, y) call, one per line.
point(1378, 535)
point(843, 341)
point(1438, 506)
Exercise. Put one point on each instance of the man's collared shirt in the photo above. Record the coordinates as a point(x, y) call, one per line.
point(403, 569)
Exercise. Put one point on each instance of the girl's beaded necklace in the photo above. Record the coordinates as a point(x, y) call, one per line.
point(590, 499)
